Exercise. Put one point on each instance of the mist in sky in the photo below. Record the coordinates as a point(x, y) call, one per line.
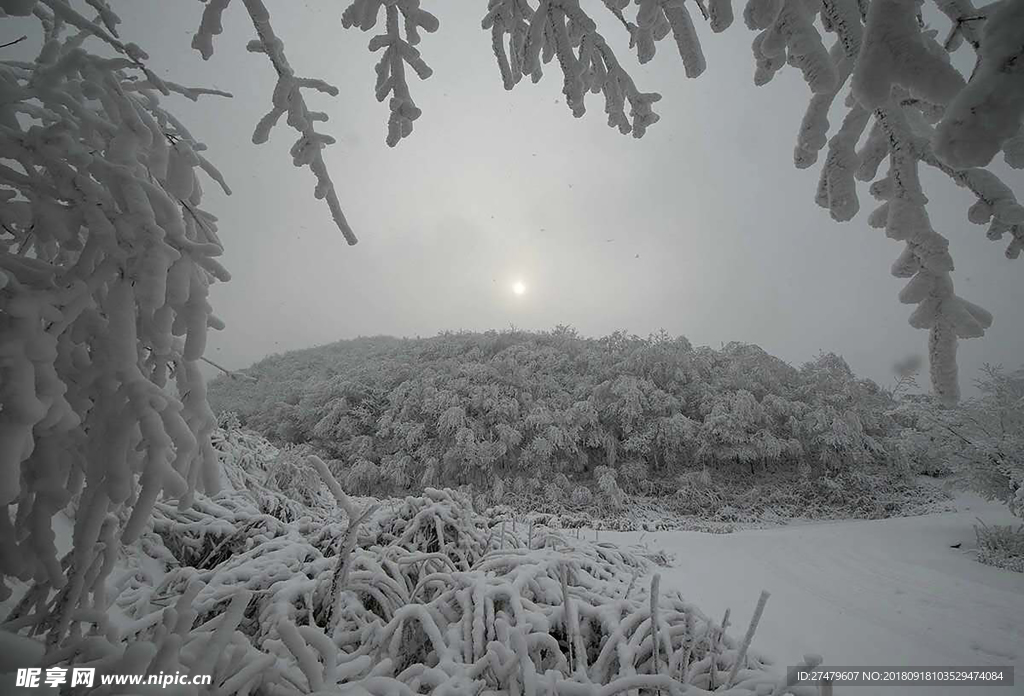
point(703, 228)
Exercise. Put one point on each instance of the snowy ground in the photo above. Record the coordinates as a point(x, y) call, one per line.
point(862, 593)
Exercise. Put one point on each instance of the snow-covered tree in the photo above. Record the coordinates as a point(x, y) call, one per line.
point(989, 434)
point(979, 441)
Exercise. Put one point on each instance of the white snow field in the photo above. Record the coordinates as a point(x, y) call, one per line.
point(861, 593)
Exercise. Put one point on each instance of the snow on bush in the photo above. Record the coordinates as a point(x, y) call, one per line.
point(608, 485)
point(979, 442)
point(413, 595)
point(989, 434)
point(647, 407)
point(1001, 546)
point(581, 496)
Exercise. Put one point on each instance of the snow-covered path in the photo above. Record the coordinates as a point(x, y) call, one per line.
point(861, 593)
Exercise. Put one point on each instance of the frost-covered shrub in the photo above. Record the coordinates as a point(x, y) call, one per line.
point(480, 502)
point(990, 432)
point(657, 405)
point(431, 474)
point(697, 479)
point(923, 443)
point(291, 474)
point(244, 450)
point(607, 484)
point(554, 495)
point(695, 494)
point(1001, 546)
point(397, 472)
point(228, 420)
point(980, 442)
point(581, 496)
point(519, 485)
point(363, 478)
point(634, 478)
point(727, 513)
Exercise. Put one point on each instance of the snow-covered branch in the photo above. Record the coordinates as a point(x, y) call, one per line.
point(562, 29)
point(287, 99)
point(988, 111)
point(397, 53)
point(105, 263)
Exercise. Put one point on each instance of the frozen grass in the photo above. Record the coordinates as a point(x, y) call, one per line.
point(426, 595)
point(732, 498)
point(409, 596)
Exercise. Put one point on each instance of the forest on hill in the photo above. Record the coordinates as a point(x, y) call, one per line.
point(524, 410)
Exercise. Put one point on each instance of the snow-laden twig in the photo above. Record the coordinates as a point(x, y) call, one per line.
point(287, 99)
point(988, 111)
point(398, 52)
point(562, 29)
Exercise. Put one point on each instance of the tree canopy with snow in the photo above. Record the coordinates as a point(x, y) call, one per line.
point(472, 408)
point(106, 255)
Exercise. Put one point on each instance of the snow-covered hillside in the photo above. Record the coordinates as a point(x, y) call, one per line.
point(863, 592)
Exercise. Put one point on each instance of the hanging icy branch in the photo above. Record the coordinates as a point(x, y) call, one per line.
point(211, 25)
point(789, 36)
point(561, 29)
point(106, 15)
point(104, 296)
point(307, 150)
point(510, 17)
point(962, 16)
point(287, 99)
point(896, 52)
point(655, 19)
point(814, 128)
point(988, 112)
point(996, 205)
point(925, 260)
point(902, 76)
point(837, 188)
point(63, 12)
point(397, 53)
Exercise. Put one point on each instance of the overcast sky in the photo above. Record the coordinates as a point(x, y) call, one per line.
point(703, 227)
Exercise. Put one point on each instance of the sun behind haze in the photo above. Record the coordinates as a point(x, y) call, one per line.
point(676, 231)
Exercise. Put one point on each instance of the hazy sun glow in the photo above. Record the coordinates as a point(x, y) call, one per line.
point(519, 287)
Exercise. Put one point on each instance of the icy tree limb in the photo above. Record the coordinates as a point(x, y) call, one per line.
point(398, 53)
point(288, 99)
point(988, 111)
point(894, 53)
point(562, 29)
